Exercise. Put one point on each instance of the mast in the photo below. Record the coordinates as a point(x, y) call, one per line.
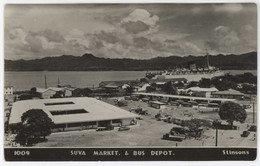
point(45, 82)
point(207, 54)
point(58, 81)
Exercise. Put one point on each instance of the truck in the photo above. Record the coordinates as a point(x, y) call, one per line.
point(169, 136)
point(177, 133)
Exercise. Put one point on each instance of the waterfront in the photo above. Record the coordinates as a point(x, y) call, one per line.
point(27, 80)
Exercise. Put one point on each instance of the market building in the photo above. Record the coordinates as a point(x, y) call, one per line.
point(75, 113)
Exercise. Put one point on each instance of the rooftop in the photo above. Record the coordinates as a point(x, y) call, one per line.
point(198, 89)
point(167, 80)
point(229, 92)
point(157, 102)
point(183, 97)
point(85, 109)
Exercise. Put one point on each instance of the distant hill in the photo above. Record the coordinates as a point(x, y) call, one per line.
point(89, 62)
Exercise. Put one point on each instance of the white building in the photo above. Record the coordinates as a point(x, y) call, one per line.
point(74, 113)
point(202, 92)
point(142, 87)
point(9, 90)
point(49, 92)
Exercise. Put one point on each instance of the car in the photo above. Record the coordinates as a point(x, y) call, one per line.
point(122, 103)
point(143, 112)
point(246, 106)
point(101, 129)
point(123, 128)
point(140, 118)
point(245, 134)
point(135, 98)
point(252, 128)
point(162, 118)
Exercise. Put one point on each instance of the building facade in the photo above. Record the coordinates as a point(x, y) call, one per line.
point(80, 113)
point(9, 90)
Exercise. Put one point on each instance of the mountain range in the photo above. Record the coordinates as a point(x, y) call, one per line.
point(89, 62)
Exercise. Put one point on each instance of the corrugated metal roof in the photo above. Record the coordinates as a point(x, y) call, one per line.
point(97, 110)
point(229, 92)
point(198, 89)
point(183, 97)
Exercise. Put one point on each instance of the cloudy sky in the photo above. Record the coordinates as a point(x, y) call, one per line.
point(129, 31)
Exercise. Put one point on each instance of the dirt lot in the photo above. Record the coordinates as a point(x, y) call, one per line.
point(149, 131)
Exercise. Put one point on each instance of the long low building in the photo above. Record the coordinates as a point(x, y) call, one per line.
point(75, 113)
point(190, 98)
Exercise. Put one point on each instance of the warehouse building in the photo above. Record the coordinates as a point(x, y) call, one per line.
point(75, 113)
point(229, 94)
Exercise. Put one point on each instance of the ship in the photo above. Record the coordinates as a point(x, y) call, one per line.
point(193, 73)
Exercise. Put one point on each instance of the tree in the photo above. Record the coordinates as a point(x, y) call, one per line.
point(35, 124)
point(150, 89)
point(33, 91)
point(179, 84)
point(223, 83)
point(129, 90)
point(204, 83)
point(25, 97)
point(169, 88)
point(192, 84)
point(86, 91)
point(231, 111)
point(145, 80)
point(195, 127)
point(58, 94)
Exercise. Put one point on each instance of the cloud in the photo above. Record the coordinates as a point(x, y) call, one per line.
point(52, 36)
point(140, 20)
point(228, 8)
point(135, 27)
point(130, 31)
point(224, 40)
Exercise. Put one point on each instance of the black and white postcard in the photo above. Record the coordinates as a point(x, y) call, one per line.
point(130, 82)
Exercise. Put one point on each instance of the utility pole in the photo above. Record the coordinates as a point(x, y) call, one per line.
point(253, 112)
point(58, 82)
point(216, 143)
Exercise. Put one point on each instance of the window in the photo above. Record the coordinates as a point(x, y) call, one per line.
point(59, 126)
point(74, 124)
point(89, 123)
point(116, 121)
point(68, 112)
point(58, 103)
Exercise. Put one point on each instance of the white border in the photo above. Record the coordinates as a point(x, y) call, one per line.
point(166, 163)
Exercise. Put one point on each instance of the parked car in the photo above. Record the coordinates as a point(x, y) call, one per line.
point(127, 98)
point(109, 127)
point(162, 118)
point(134, 98)
point(143, 112)
point(123, 128)
point(252, 128)
point(246, 106)
point(145, 99)
point(122, 103)
point(101, 129)
point(173, 103)
point(140, 118)
point(245, 134)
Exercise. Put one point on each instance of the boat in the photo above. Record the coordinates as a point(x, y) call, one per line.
point(194, 73)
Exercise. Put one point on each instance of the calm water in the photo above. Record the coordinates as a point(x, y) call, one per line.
point(27, 80)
